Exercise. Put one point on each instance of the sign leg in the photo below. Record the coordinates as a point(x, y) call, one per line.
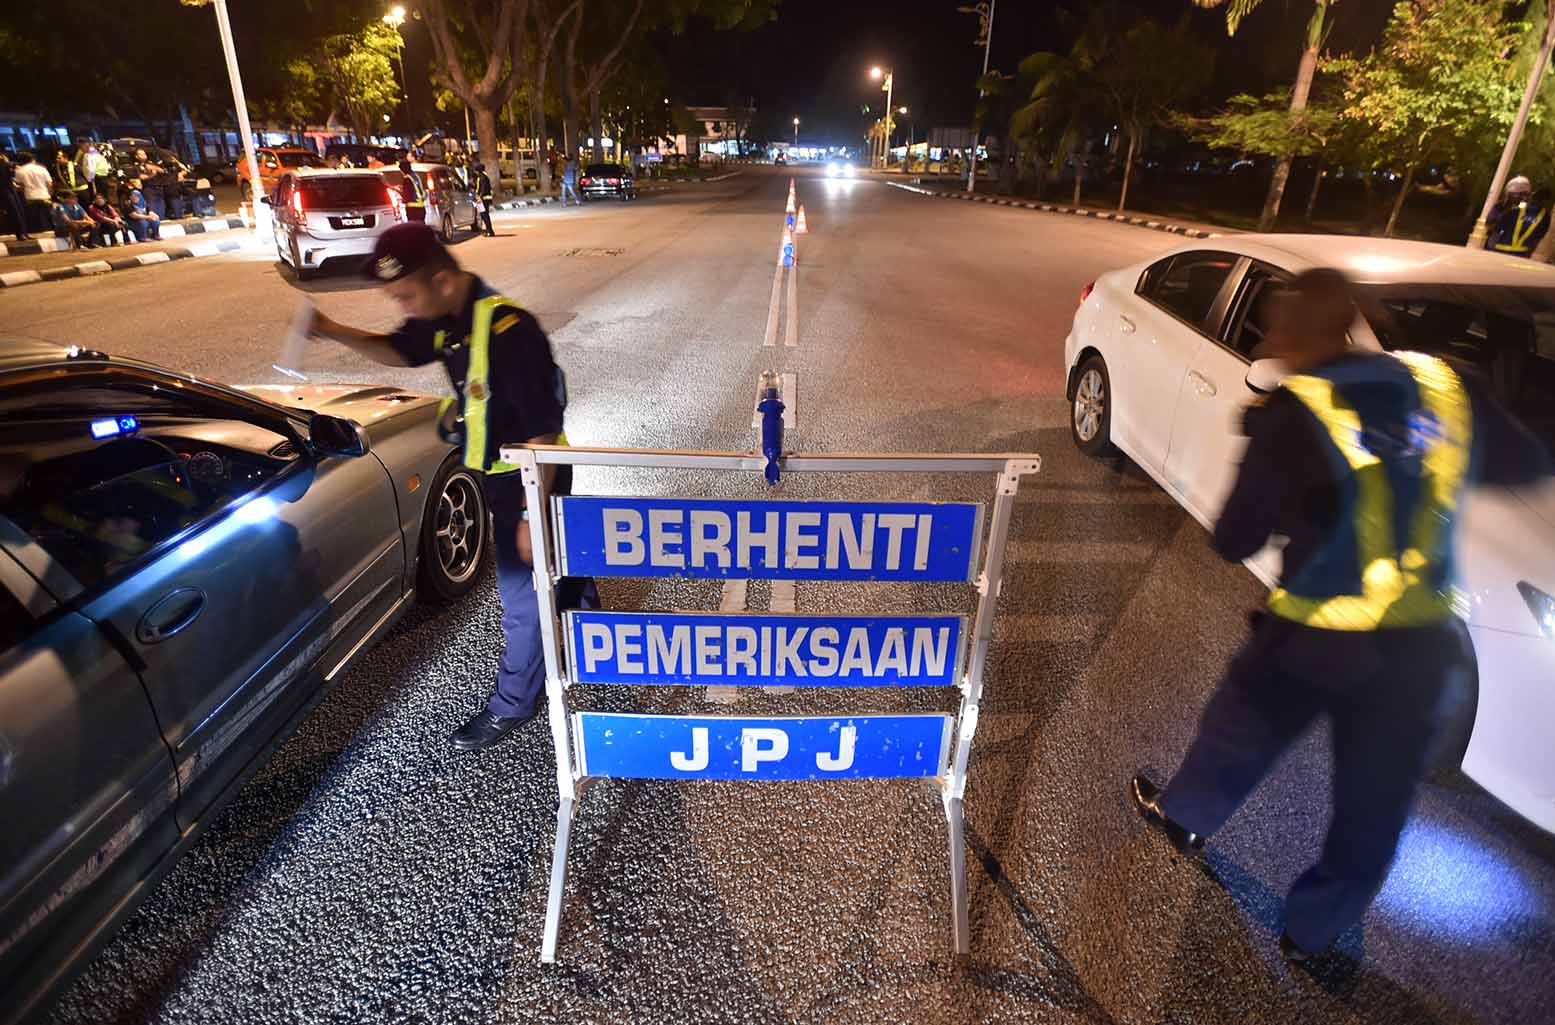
point(553, 905)
point(960, 926)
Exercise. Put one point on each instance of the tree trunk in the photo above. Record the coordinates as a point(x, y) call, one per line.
point(1079, 181)
point(486, 132)
point(1128, 169)
point(1398, 204)
point(1318, 174)
point(518, 152)
point(597, 126)
point(1298, 102)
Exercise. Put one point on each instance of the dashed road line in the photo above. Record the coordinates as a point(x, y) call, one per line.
point(791, 329)
point(790, 402)
point(769, 339)
point(735, 597)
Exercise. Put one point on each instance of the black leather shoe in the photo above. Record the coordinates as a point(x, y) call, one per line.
point(1293, 953)
point(1146, 796)
point(484, 729)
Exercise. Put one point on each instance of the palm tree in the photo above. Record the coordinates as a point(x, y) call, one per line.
point(1236, 10)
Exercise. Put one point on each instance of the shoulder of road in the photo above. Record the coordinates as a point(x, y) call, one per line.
point(1189, 229)
point(47, 258)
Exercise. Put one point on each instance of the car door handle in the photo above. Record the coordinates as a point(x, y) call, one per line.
point(1202, 384)
point(1125, 325)
point(171, 614)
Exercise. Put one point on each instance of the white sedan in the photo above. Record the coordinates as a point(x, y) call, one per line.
point(1164, 355)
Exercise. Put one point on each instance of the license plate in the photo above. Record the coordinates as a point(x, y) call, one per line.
point(352, 222)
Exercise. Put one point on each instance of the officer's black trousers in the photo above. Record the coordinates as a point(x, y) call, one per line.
point(1381, 692)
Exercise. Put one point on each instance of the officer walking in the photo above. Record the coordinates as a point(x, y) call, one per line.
point(508, 389)
point(486, 195)
point(1523, 225)
point(1361, 461)
point(413, 192)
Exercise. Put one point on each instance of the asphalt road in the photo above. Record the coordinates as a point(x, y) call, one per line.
point(369, 873)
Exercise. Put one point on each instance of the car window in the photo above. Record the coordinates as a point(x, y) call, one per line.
point(603, 170)
point(344, 192)
point(101, 474)
point(1247, 331)
point(1505, 332)
point(1186, 284)
point(301, 160)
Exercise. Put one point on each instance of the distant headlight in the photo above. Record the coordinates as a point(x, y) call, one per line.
point(832, 169)
point(1541, 605)
point(847, 170)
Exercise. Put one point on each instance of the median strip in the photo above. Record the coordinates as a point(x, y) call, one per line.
point(95, 268)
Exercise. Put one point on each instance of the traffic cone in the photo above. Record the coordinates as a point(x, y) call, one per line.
point(800, 228)
point(788, 255)
point(790, 208)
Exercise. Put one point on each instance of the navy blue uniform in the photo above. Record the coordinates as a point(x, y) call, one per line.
point(524, 397)
point(1381, 689)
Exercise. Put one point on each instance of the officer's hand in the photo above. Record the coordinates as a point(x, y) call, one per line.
point(449, 424)
point(525, 545)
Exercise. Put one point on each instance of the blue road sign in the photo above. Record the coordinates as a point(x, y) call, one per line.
point(755, 648)
point(773, 540)
point(630, 746)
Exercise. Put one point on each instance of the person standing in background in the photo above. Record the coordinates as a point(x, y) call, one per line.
point(37, 191)
point(11, 198)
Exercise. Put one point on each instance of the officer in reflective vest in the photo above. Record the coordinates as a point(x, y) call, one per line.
point(1361, 460)
point(508, 389)
point(414, 192)
point(1522, 226)
point(486, 195)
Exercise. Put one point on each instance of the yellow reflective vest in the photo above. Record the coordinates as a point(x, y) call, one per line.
point(1403, 580)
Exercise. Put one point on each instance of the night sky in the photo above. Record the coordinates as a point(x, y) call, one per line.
point(813, 61)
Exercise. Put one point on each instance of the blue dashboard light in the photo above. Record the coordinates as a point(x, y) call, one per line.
point(114, 426)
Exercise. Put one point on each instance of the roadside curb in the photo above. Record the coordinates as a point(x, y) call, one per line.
point(1100, 215)
point(94, 268)
point(175, 229)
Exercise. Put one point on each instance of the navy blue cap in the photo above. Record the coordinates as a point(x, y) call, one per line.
point(402, 250)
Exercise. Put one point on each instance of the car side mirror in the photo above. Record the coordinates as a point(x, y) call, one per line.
point(337, 436)
point(1265, 375)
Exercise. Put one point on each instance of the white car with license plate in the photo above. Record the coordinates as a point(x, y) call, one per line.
point(1164, 355)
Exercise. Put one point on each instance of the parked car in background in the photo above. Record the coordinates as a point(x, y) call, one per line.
point(450, 204)
point(275, 161)
point(528, 164)
point(217, 172)
point(185, 570)
point(1164, 356)
point(601, 180)
point(322, 215)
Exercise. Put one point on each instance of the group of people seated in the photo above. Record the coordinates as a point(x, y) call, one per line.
point(100, 223)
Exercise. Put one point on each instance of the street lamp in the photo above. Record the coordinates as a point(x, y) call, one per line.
point(796, 133)
point(877, 73)
point(912, 130)
point(395, 19)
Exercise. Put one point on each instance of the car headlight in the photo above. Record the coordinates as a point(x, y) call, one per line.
point(832, 169)
point(1541, 605)
point(847, 170)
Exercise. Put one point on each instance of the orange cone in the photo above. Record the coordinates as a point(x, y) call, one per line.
point(800, 229)
point(790, 208)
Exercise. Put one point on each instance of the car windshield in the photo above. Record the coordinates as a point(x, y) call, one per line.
point(1505, 332)
point(300, 160)
point(345, 192)
point(605, 170)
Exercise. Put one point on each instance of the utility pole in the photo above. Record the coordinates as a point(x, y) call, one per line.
point(1481, 232)
point(987, 41)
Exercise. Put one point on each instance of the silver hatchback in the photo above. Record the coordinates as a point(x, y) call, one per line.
point(323, 215)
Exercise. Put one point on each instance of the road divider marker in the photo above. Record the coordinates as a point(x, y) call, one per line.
point(790, 402)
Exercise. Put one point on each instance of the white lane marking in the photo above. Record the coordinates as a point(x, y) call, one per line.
point(791, 329)
point(734, 600)
point(790, 402)
point(769, 339)
point(782, 600)
point(19, 277)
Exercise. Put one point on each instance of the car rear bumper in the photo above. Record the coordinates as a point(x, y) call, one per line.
point(314, 251)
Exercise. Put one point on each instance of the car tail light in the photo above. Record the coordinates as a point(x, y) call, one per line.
point(1085, 293)
point(585, 181)
point(397, 202)
point(612, 181)
point(298, 212)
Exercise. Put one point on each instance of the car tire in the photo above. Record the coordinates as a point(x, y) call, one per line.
point(303, 273)
point(1090, 409)
point(446, 229)
point(455, 535)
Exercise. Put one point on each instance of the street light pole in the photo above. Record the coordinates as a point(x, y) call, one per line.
point(796, 133)
point(888, 125)
point(240, 103)
point(971, 178)
point(1481, 232)
point(396, 19)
